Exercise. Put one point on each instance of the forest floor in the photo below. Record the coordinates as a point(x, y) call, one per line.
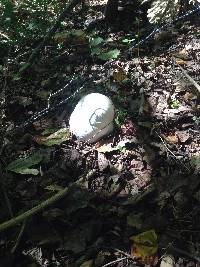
point(134, 195)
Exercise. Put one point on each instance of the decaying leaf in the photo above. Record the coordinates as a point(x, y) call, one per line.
point(119, 75)
point(145, 245)
point(54, 139)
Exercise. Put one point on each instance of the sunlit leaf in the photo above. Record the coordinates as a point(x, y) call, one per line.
point(94, 41)
point(112, 54)
point(54, 139)
point(145, 244)
point(22, 165)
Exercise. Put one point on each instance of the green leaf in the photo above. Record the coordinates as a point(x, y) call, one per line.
point(48, 131)
point(24, 67)
point(22, 165)
point(146, 243)
point(94, 41)
point(175, 104)
point(16, 77)
point(110, 54)
point(55, 138)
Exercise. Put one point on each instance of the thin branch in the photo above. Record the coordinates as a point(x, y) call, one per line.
point(190, 79)
point(34, 210)
point(113, 262)
point(167, 148)
point(19, 237)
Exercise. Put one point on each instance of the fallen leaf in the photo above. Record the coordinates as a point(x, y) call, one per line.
point(181, 62)
point(145, 244)
point(171, 139)
point(94, 41)
point(22, 165)
point(119, 75)
point(110, 54)
point(54, 139)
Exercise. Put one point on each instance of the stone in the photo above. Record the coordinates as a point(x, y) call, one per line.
point(92, 117)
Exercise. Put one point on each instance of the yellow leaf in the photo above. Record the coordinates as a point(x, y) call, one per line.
point(145, 244)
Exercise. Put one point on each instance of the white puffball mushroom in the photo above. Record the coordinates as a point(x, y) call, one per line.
point(92, 117)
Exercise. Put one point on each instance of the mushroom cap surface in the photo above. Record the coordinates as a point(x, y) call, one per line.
point(92, 117)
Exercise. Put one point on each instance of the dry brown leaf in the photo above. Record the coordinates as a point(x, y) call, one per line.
point(171, 139)
point(181, 62)
point(119, 75)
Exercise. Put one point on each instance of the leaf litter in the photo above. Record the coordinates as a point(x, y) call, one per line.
point(134, 192)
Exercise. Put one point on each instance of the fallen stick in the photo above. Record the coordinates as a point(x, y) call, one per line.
point(50, 33)
point(190, 79)
point(20, 218)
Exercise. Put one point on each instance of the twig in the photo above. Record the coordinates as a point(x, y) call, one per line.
point(34, 210)
point(124, 253)
point(7, 202)
point(50, 33)
point(19, 237)
point(190, 78)
point(118, 260)
point(172, 152)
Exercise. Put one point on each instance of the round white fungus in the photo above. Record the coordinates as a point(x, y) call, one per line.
point(92, 117)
